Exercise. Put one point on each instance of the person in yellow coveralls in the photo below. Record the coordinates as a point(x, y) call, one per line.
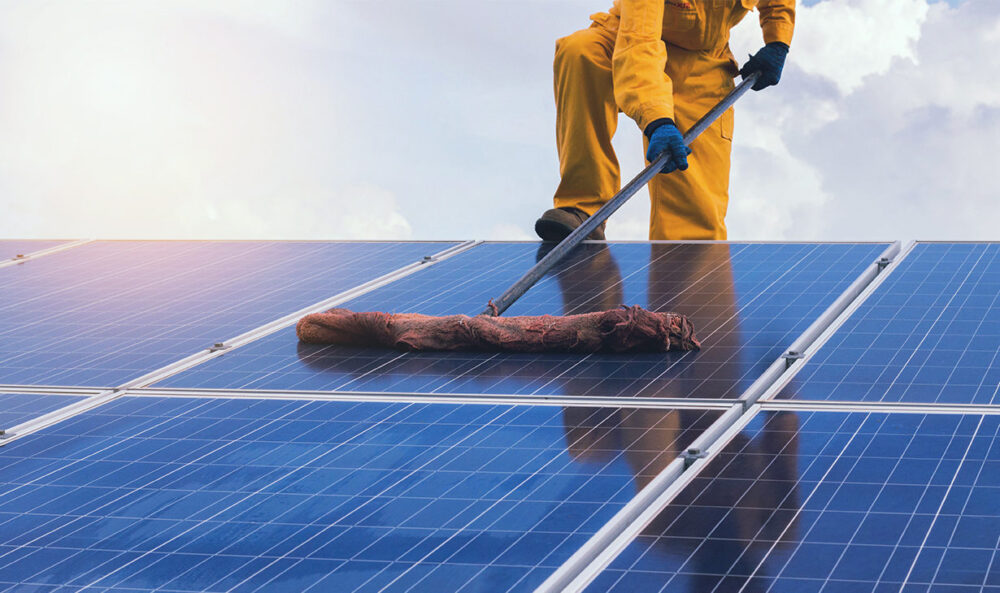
point(664, 63)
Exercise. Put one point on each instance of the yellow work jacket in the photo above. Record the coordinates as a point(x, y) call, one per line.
point(648, 31)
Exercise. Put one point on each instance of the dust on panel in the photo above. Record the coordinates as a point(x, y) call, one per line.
point(245, 495)
point(748, 302)
point(107, 312)
point(824, 501)
point(12, 248)
point(929, 334)
point(16, 408)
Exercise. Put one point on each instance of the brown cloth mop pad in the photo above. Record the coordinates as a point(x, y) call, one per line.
point(627, 329)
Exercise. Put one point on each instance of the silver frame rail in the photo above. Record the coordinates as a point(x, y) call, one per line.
point(20, 259)
point(107, 395)
point(602, 548)
point(441, 398)
point(805, 352)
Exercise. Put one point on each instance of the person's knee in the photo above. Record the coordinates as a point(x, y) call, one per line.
point(581, 47)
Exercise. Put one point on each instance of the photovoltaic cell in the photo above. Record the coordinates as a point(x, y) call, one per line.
point(11, 248)
point(244, 495)
point(16, 408)
point(823, 502)
point(929, 333)
point(747, 301)
point(107, 312)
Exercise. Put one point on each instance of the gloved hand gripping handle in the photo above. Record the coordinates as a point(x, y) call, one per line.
point(500, 304)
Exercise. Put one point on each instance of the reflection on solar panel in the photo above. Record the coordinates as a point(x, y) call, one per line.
point(824, 501)
point(10, 248)
point(264, 492)
point(261, 495)
point(748, 303)
point(16, 408)
point(929, 333)
point(107, 312)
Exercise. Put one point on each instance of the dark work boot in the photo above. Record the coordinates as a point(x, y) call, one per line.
point(556, 224)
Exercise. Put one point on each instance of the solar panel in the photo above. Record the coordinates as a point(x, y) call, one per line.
point(107, 312)
point(192, 494)
point(748, 303)
point(11, 248)
point(266, 492)
point(929, 333)
point(827, 501)
point(16, 408)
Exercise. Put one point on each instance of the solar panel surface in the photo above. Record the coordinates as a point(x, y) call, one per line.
point(748, 302)
point(213, 494)
point(16, 408)
point(106, 312)
point(825, 501)
point(179, 494)
point(10, 248)
point(929, 333)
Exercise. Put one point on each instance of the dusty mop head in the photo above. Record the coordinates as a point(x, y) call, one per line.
point(626, 329)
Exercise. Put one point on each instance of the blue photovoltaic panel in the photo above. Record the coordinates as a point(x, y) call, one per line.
point(240, 495)
point(11, 248)
point(16, 408)
point(748, 303)
point(107, 312)
point(830, 502)
point(929, 333)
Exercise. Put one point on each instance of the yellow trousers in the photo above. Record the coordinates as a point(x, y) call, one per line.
point(687, 204)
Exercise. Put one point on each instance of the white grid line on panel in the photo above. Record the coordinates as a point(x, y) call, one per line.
point(110, 394)
point(807, 353)
point(594, 556)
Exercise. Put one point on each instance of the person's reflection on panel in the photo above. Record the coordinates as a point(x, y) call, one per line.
point(719, 529)
point(646, 438)
point(746, 500)
point(695, 280)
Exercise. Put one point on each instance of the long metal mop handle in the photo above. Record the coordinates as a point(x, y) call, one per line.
point(499, 305)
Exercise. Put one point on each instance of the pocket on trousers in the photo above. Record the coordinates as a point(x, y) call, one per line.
point(727, 122)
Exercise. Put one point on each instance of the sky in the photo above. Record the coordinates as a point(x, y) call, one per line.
point(434, 119)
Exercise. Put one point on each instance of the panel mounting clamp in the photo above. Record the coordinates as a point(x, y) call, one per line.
point(216, 347)
point(883, 263)
point(691, 455)
point(791, 356)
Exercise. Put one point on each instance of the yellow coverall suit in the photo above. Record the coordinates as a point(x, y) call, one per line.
point(654, 59)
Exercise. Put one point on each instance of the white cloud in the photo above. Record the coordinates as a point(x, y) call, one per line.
point(160, 116)
point(360, 212)
point(846, 41)
point(511, 232)
point(158, 119)
point(267, 119)
point(903, 151)
point(354, 212)
point(623, 227)
point(299, 19)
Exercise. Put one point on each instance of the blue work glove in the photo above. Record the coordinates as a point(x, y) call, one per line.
point(664, 136)
point(768, 61)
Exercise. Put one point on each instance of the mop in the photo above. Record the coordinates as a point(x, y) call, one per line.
point(626, 329)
